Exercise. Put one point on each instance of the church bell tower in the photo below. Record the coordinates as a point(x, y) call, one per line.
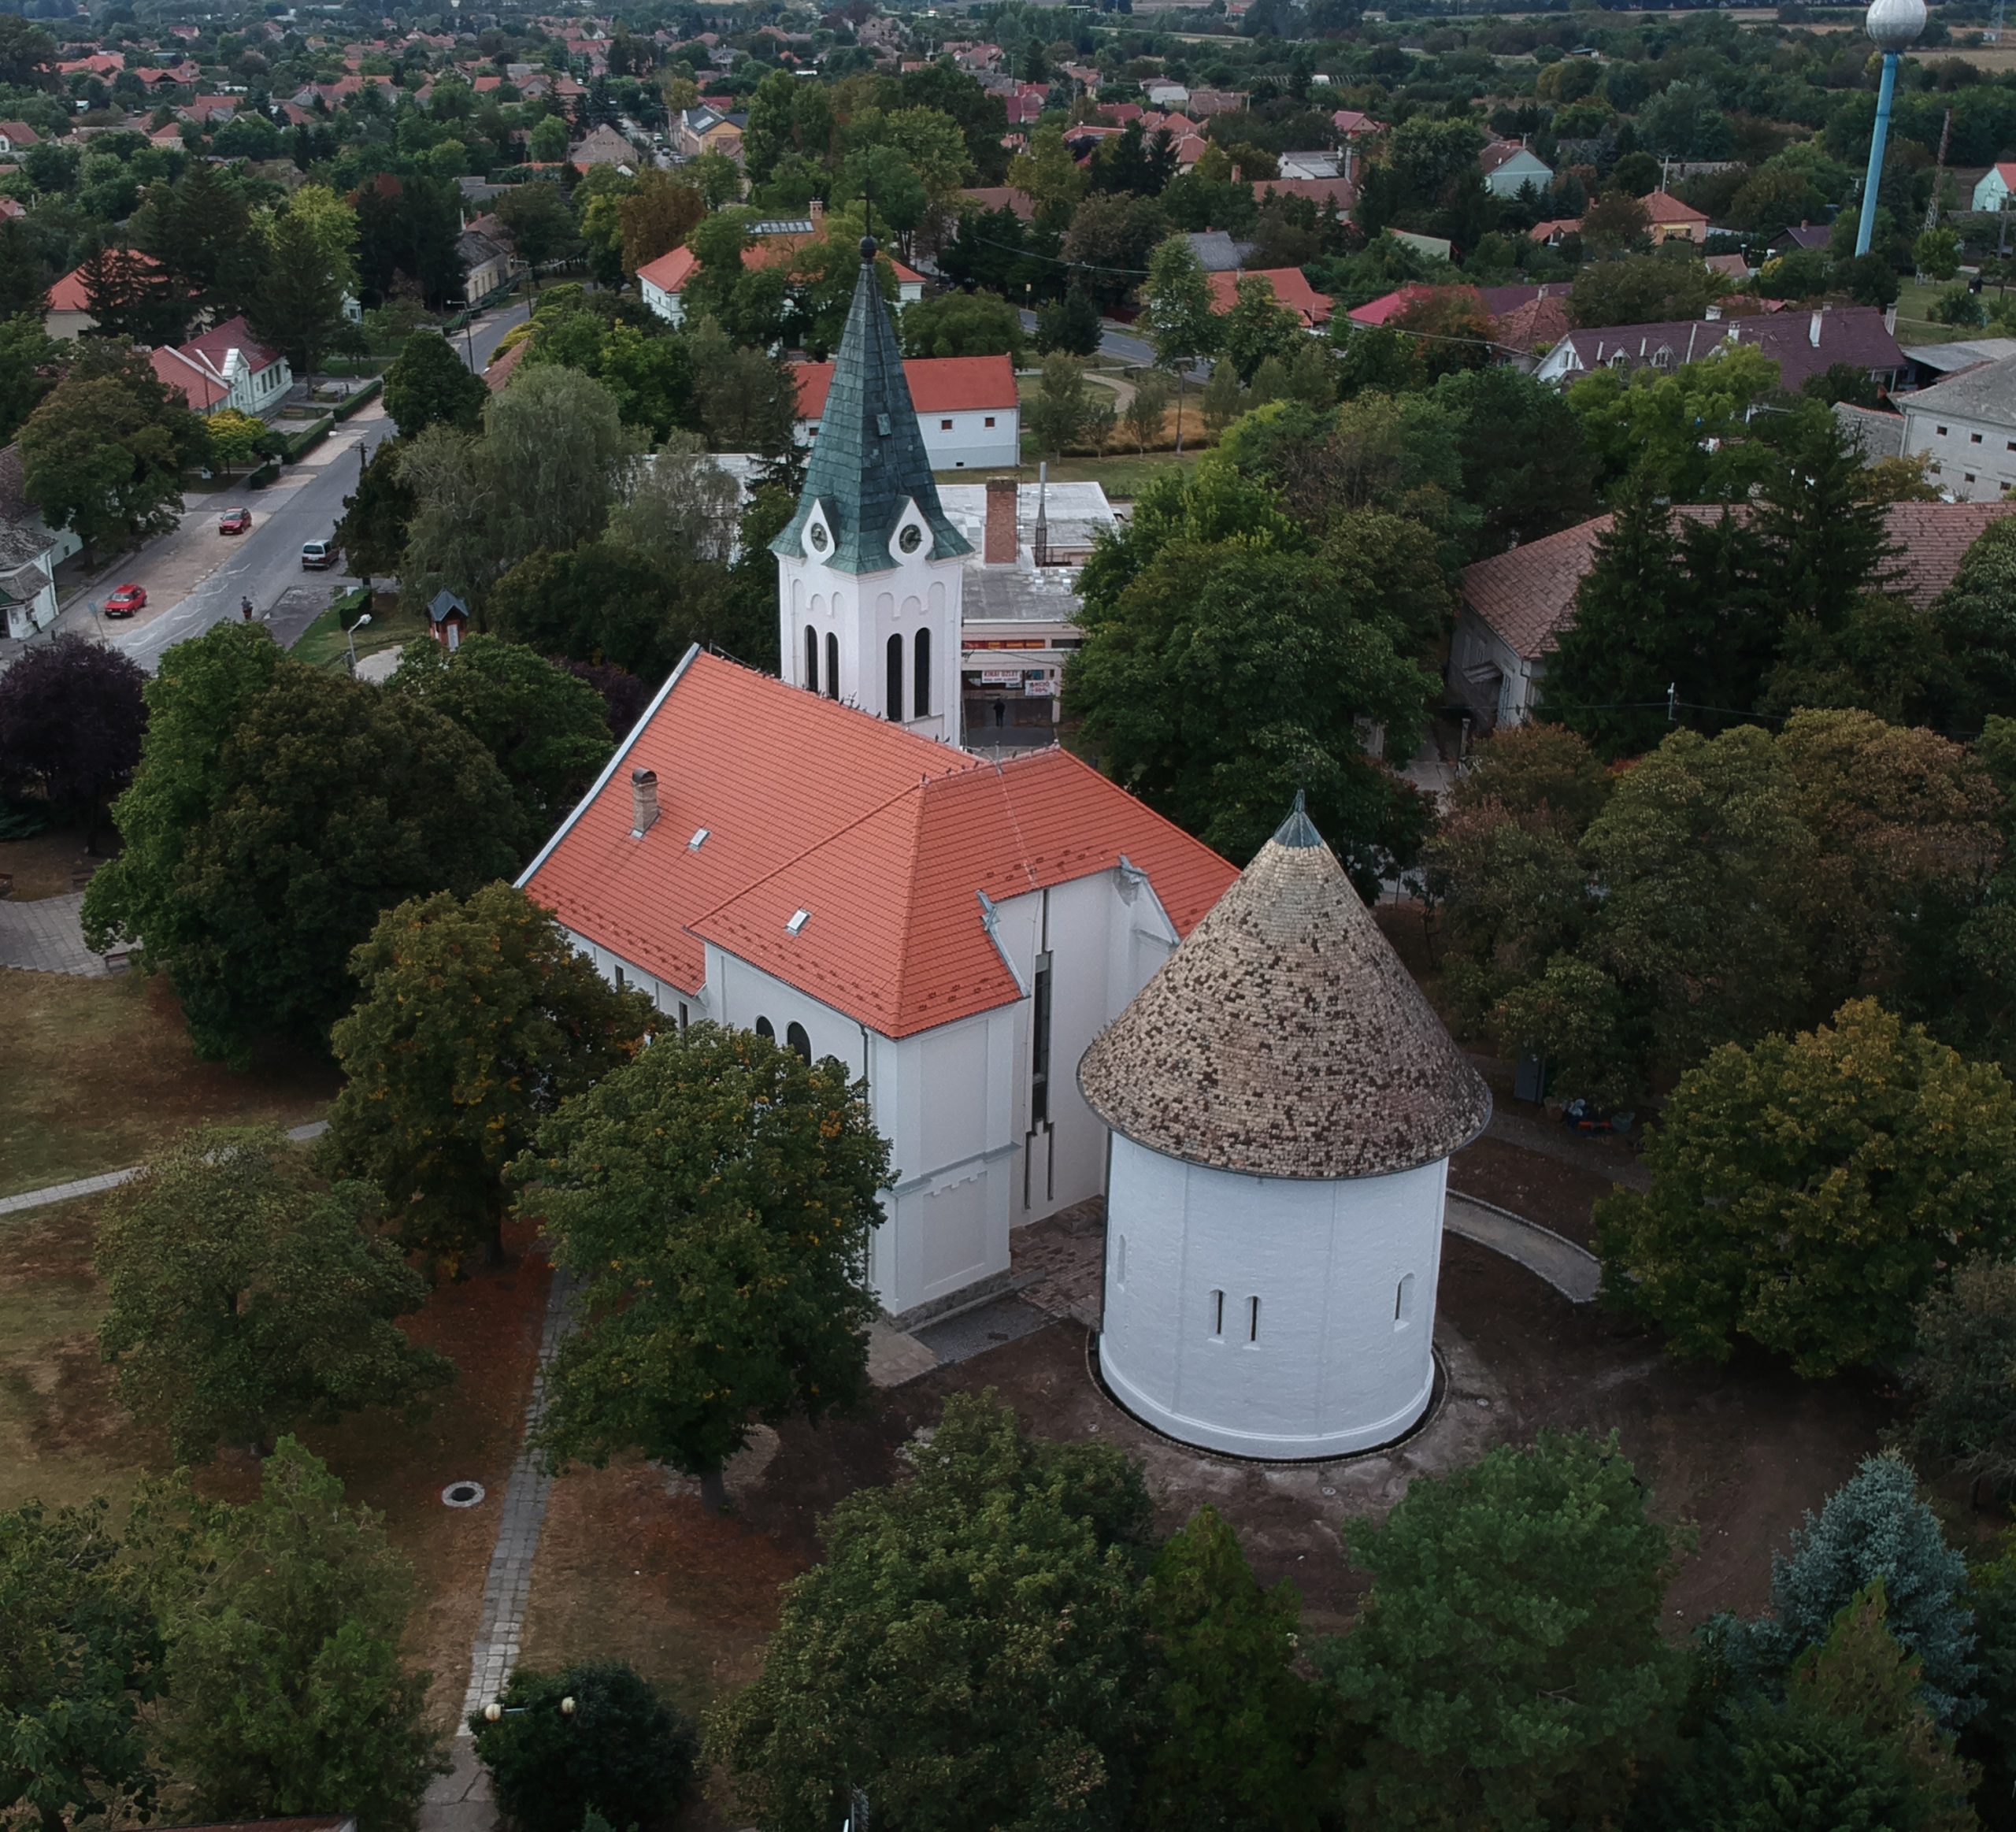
point(870, 569)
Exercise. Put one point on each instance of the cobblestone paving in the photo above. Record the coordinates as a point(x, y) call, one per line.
point(46, 935)
point(508, 1587)
point(1060, 1262)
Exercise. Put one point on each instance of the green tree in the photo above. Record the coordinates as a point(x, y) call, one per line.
point(1227, 673)
point(104, 454)
point(620, 1751)
point(299, 302)
point(1257, 327)
point(1239, 1731)
point(1147, 408)
point(1806, 1191)
point(1976, 621)
point(1851, 1747)
point(548, 144)
point(1501, 410)
point(747, 399)
point(80, 1656)
point(963, 324)
point(1962, 1375)
point(284, 1617)
point(1937, 254)
point(136, 298)
point(28, 361)
point(1176, 313)
point(545, 729)
point(605, 601)
point(1068, 409)
point(1070, 324)
point(372, 532)
point(277, 810)
point(970, 1653)
point(1507, 1665)
point(235, 438)
point(429, 384)
point(718, 1195)
point(242, 1300)
point(1873, 1528)
point(477, 1019)
point(541, 224)
point(1642, 289)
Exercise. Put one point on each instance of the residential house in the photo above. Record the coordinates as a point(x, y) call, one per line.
point(1217, 251)
point(695, 130)
point(1555, 230)
point(1291, 287)
point(1001, 197)
point(1801, 344)
point(1934, 362)
point(1671, 220)
point(1513, 606)
point(17, 137)
point(605, 146)
point(1339, 194)
point(1813, 238)
point(29, 554)
point(967, 409)
point(1996, 184)
point(662, 282)
point(225, 367)
point(1509, 167)
point(490, 263)
point(1965, 427)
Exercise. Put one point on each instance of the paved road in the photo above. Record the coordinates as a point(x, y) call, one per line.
point(1123, 345)
point(264, 563)
point(486, 333)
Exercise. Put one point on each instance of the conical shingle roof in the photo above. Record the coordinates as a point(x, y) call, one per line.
point(1285, 1039)
point(868, 457)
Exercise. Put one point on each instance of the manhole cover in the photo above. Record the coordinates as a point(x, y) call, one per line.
point(461, 1494)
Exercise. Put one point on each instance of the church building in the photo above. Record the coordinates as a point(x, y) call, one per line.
point(816, 859)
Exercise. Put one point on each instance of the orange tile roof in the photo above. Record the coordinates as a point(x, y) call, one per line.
point(1290, 289)
point(670, 272)
point(69, 294)
point(939, 385)
point(888, 839)
point(1662, 207)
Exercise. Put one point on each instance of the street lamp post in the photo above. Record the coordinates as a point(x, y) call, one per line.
point(353, 628)
point(1890, 24)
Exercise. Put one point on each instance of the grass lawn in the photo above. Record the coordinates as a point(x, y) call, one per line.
point(45, 865)
point(1916, 325)
point(98, 1073)
point(64, 1438)
point(325, 644)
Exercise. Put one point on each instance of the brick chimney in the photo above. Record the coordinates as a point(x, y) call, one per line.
point(1813, 332)
point(643, 802)
point(998, 541)
point(816, 210)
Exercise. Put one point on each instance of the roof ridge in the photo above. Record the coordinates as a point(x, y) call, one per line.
point(804, 852)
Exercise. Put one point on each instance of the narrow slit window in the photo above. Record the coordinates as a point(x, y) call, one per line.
point(920, 683)
point(1252, 1319)
point(1403, 1302)
point(832, 665)
point(893, 689)
point(811, 658)
point(1120, 1261)
point(1217, 1314)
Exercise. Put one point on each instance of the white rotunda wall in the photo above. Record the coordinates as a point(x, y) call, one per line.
point(1340, 1357)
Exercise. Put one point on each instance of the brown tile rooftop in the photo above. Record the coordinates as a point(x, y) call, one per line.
point(1284, 1038)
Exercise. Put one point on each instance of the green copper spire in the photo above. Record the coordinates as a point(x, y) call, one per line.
point(869, 457)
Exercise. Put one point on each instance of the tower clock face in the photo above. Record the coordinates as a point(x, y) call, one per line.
point(816, 535)
point(911, 538)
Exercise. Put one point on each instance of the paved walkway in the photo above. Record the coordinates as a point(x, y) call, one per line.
point(46, 935)
point(1573, 1271)
point(54, 1192)
point(507, 1588)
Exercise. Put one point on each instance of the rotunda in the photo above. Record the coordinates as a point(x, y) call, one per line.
point(1283, 1104)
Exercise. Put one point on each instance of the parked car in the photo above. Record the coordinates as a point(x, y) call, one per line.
point(317, 555)
point(126, 600)
point(234, 521)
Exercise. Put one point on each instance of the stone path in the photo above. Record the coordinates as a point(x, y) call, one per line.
point(53, 1192)
point(46, 935)
point(508, 1588)
point(1605, 1157)
point(1573, 1271)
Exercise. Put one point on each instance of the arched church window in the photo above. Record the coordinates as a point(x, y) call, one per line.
point(795, 1038)
point(765, 1027)
point(894, 686)
point(920, 692)
point(811, 658)
point(832, 665)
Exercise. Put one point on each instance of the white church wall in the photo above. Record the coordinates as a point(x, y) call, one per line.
point(674, 1001)
point(1328, 1367)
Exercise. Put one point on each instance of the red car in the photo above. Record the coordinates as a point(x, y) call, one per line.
point(126, 600)
point(234, 521)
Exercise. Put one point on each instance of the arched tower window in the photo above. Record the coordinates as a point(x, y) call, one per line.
point(765, 1027)
point(832, 665)
point(811, 658)
point(795, 1038)
point(895, 687)
point(921, 693)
